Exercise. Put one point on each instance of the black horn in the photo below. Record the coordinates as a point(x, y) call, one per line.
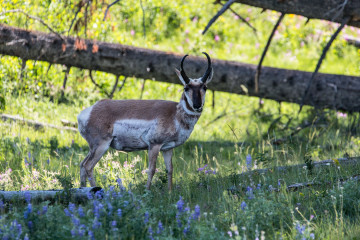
point(182, 72)
point(208, 70)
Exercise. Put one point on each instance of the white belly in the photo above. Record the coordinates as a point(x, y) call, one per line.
point(131, 134)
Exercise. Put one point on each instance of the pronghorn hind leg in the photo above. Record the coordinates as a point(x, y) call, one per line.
point(153, 154)
point(168, 163)
point(93, 159)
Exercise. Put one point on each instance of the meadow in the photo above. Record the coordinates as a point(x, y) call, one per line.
point(213, 197)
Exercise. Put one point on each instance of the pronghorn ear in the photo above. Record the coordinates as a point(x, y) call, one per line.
point(180, 77)
point(210, 76)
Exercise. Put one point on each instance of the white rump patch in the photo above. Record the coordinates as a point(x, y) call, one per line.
point(83, 118)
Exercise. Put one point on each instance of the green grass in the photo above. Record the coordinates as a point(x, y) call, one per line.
point(230, 203)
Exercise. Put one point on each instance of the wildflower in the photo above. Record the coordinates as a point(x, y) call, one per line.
point(81, 212)
point(146, 215)
point(75, 220)
point(132, 32)
point(248, 162)
point(229, 233)
point(96, 224)
point(250, 193)
point(150, 233)
point(48, 161)
point(160, 227)
point(28, 140)
point(67, 213)
point(89, 196)
point(186, 230)
point(27, 211)
point(99, 194)
point(30, 224)
point(312, 236)
point(243, 206)
point(217, 38)
point(119, 212)
point(26, 237)
point(44, 210)
point(178, 220)
point(91, 235)
point(258, 186)
point(110, 208)
point(196, 214)
point(311, 217)
point(1, 205)
point(341, 115)
point(180, 205)
point(195, 19)
point(113, 224)
point(72, 207)
point(202, 169)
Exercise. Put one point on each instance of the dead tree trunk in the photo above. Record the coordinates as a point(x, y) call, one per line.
point(331, 10)
point(328, 91)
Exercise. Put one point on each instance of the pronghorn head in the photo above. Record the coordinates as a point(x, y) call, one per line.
point(195, 89)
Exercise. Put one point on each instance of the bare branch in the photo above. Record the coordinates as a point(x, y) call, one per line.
point(23, 65)
point(258, 69)
point(108, 7)
point(143, 12)
point(72, 21)
point(67, 71)
point(242, 19)
point(123, 83)
point(323, 55)
point(33, 17)
point(222, 10)
point(142, 88)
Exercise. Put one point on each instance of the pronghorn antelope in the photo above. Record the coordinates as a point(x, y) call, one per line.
point(132, 125)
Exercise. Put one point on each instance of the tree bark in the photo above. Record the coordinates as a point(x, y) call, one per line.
point(331, 10)
point(327, 91)
point(77, 194)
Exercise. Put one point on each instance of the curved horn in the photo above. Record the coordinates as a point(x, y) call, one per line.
point(208, 70)
point(182, 72)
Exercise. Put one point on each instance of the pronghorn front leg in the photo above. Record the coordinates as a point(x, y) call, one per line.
point(93, 158)
point(83, 172)
point(168, 163)
point(153, 154)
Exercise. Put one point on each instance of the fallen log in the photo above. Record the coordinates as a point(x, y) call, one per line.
point(77, 194)
point(331, 10)
point(35, 124)
point(328, 91)
point(329, 162)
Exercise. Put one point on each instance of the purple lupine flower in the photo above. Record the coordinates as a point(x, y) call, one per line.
point(1, 205)
point(312, 236)
point(180, 205)
point(96, 224)
point(44, 209)
point(249, 192)
point(119, 212)
point(27, 196)
point(186, 230)
point(113, 224)
point(110, 208)
point(178, 220)
point(48, 161)
point(202, 169)
point(27, 211)
point(30, 224)
point(248, 162)
point(26, 237)
point(89, 196)
point(73, 233)
point(196, 214)
point(29, 155)
point(150, 233)
point(243, 206)
point(91, 235)
point(67, 213)
point(258, 186)
point(146, 215)
point(99, 194)
point(81, 231)
point(187, 209)
point(279, 183)
point(160, 227)
point(81, 212)
point(72, 207)
point(75, 220)
point(28, 140)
